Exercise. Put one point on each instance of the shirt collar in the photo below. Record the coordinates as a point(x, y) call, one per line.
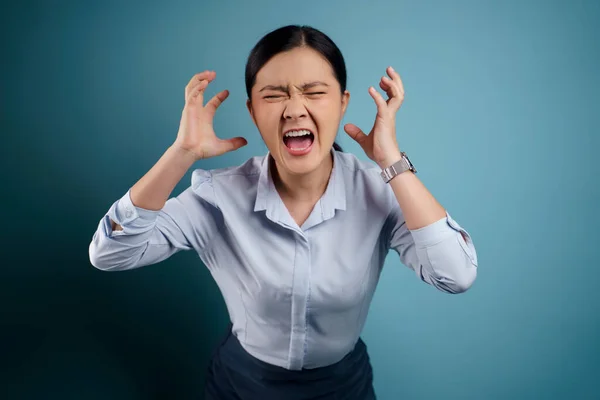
point(334, 197)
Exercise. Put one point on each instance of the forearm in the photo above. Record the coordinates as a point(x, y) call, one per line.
point(418, 205)
point(153, 190)
point(440, 259)
point(142, 236)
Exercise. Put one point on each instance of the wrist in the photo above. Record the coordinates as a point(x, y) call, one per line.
point(185, 156)
point(389, 159)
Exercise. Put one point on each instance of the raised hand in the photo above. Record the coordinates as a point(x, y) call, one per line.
point(196, 134)
point(381, 145)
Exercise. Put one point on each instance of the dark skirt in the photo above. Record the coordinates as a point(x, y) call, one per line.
point(234, 374)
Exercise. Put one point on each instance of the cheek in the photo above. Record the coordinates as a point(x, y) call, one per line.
point(268, 120)
point(266, 116)
point(326, 114)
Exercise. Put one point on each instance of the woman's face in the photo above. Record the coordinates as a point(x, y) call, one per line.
point(297, 106)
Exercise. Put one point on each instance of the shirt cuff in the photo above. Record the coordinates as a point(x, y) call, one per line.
point(442, 229)
point(132, 219)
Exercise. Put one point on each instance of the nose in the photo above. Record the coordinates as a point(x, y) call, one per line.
point(295, 108)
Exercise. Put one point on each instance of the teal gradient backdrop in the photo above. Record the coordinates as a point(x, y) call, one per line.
point(501, 119)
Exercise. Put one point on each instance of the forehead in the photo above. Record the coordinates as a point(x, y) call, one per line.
point(296, 66)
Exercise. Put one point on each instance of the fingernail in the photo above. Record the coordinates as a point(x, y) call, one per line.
point(391, 68)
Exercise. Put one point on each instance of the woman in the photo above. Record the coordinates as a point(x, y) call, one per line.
point(295, 239)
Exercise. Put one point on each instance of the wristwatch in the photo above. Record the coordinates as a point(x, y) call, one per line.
point(397, 168)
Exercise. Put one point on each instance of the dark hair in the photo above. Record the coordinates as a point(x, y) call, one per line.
point(290, 37)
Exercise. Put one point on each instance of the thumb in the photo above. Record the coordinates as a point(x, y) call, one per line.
point(355, 133)
point(232, 144)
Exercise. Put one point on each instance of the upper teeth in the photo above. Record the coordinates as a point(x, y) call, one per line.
point(297, 133)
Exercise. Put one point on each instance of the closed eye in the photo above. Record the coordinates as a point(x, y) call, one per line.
point(274, 96)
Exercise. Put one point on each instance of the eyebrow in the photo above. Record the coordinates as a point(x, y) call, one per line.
point(282, 88)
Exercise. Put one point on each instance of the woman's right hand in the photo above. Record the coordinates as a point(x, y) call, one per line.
point(196, 134)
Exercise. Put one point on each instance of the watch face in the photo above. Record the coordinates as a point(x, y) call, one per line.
point(410, 164)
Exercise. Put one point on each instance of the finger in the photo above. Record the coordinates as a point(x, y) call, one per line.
point(355, 133)
point(398, 87)
point(192, 87)
point(197, 95)
point(197, 79)
point(390, 88)
point(210, 75)
point(216, 101)
point(379, 101)
point(396, 78)
point(232, 144)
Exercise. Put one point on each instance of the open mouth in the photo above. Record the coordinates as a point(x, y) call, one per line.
point(299, 142)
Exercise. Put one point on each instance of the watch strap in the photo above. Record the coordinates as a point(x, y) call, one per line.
point(397, 168)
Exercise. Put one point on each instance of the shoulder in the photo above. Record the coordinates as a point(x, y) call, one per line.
point(216, 185)
point(364, 176)
point(357, 170)
point(247, 171)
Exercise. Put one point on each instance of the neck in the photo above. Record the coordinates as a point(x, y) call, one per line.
point(303, 188)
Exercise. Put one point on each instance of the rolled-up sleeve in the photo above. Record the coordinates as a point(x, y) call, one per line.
point(187, 221)
point(438, 253)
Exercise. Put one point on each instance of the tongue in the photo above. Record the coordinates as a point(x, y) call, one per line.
point(298, 142)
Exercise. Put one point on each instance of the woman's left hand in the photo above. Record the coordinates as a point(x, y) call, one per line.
point(380, 144)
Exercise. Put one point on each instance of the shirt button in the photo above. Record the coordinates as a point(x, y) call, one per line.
point(128, 212)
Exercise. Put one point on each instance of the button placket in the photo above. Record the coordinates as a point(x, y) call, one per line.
point(299, 302)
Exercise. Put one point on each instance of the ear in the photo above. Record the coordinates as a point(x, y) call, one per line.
point(345, 101)
point(249, 106)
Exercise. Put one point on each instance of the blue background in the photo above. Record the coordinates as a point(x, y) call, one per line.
point(500, 117)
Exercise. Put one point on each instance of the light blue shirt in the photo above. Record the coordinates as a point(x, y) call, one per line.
point(297, 296)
